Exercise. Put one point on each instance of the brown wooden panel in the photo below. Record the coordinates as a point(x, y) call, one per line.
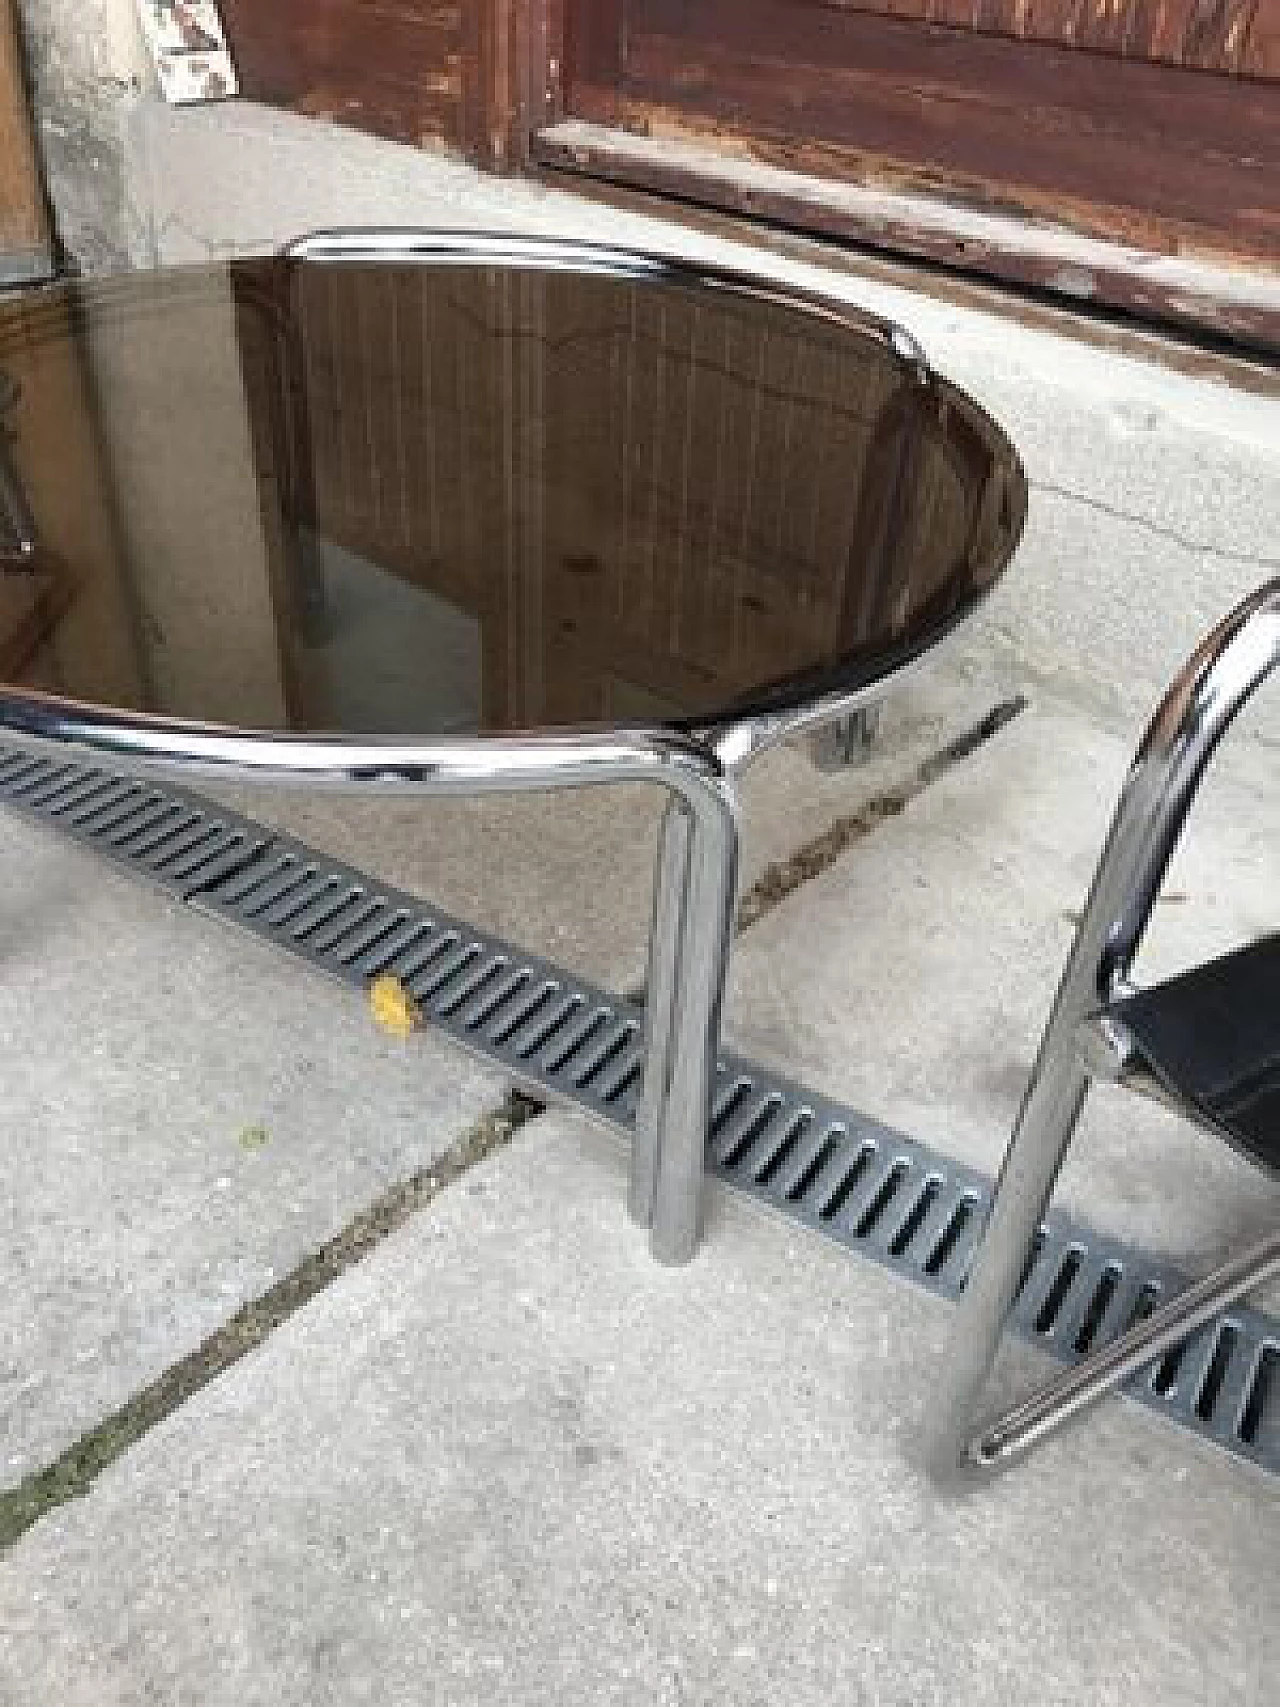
point(593, 38)
point(24, 237)
point(394, 67)
point(1168, 290)
point(55, 451)
point(1212, 35)
point(694, 43)
point(511, 76)
point(641, 496)
point(487, 80)
point(1261, 56)
point(479, 75)
point(1148, 153)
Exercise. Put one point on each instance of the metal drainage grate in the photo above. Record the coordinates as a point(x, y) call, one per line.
point(849, 1178)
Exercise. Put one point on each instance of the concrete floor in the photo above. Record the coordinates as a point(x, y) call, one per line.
point(510, 1459)
point(505, 1457)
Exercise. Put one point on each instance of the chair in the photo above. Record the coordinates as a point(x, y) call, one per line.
point(1206, 1042)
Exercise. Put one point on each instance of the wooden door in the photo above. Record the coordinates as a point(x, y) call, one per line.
point(423, 71)
point(24, 236)
point(1154, 122)
point(1235, 36)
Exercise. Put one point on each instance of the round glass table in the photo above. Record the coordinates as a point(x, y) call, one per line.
point(434, 512)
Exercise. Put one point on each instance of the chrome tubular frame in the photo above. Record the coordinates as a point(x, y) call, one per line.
point(1195, 714)
point(1054, 1404)
point(690, 943)
point(698, 856)
point(575, 255)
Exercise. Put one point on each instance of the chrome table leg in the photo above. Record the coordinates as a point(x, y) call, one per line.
point(669, 894)
point(709, 890)
point(847, 742)
point(688, 962)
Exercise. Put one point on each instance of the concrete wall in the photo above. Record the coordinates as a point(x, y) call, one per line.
point(87, 66)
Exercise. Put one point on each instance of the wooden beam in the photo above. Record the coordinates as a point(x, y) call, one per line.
point(477, 75)
point(1234, 302)
point(1156, 157)
point(396, 68)
point(511, 78)
point(25, 251)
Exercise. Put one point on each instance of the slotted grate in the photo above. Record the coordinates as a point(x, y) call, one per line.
point(872, 1190)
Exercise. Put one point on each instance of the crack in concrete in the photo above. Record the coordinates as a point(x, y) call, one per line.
point(71, 1475)
point(1185, 542)
point(783, 878)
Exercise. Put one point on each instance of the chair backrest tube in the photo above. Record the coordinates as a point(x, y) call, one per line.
point(1214, 685)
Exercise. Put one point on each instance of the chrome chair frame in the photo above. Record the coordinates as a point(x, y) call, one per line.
point(1081, 1043)
point(698, 767)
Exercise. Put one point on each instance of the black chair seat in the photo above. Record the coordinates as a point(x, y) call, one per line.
point(1212, 1038)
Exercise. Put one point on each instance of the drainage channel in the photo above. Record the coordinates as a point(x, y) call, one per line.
point(844, 1176)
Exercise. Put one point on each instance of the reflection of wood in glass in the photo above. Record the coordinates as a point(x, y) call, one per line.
point(557, 460)
point(66, 616)
point(17, 524)
point(623, 483)
point(463, 496)
point(29, 589)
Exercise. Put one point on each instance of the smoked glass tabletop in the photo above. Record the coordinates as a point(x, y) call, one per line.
point(406, 498)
